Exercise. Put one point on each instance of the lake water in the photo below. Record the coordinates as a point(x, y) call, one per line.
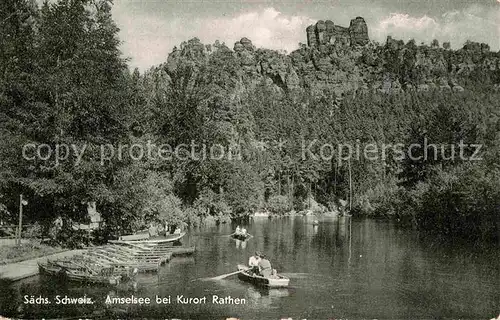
point(341, 269)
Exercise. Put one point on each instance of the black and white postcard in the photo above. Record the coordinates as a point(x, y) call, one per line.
point(250, 159)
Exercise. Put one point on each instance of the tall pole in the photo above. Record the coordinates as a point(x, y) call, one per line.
point(350, 244)
point(350, 187)
point(20, 219)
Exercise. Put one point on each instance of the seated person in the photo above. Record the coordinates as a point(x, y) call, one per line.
point(153, 231)
point(177, 230)
point(161, 230)
point(243, 232)
point(265, 267)
point(238, 230)
point(274, 274)
point(253, 263)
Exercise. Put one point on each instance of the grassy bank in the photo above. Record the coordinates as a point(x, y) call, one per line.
point(26, 251)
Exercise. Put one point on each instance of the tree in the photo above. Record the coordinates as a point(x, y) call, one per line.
point(68, 93)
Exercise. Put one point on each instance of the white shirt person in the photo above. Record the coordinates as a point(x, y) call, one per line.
point(253, 262)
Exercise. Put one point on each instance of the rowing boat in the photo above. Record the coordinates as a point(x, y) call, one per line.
point(242, 237)
point(152, 240)
point(77, 274)
point(274, 282)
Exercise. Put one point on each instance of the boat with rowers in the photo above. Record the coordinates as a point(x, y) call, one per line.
point(277, 281)
point(240, 234)
point(242, 237)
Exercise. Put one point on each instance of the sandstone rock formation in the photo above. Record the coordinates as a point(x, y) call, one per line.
point(326, 32)
point(343, 59)
point(358, 31)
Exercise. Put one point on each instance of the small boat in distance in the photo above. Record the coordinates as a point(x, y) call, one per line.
point(242, 237)
point(275, 282)
point(240, 234)
point(137, 239)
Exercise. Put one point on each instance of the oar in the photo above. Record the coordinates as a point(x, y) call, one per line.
point(228, 235)
point(228, 274)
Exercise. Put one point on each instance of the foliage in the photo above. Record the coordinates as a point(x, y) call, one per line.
point(74, 239)
point(26, 251)
point(33, 231)
point(382, 200)
point(460, 202)
point(138, 197)
point(278, 204)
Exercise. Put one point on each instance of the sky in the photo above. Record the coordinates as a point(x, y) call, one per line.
point(151, 28)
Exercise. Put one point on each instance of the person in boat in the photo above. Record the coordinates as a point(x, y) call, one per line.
point(238, 231)
point(253, 262)
point(265, 268)
point(274, 274)
point(153, 231)
point(243, 232)
point(177, 230)
point(161, 230)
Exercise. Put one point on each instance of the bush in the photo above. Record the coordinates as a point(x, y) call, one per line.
point(192, 217)
point(212, 204)
point(381, 200)
point(33, 231)
point(74, 239)
point(12, 254)
point(461, 202)
point(102, 235)
point(278, 204)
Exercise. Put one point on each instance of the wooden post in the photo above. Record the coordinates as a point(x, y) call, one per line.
point(350, 186)
point(350, 243)
point(20, 219)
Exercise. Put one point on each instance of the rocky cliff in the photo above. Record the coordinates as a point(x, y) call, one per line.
point(344, 59)
point(326, 32)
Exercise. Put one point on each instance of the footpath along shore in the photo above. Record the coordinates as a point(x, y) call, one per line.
point(28, 268)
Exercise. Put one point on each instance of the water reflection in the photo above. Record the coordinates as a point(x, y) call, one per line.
point(241, 244)
point(315, 229)
point(266, 296)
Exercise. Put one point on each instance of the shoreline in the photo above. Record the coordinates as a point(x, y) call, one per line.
point(16, 271)
point(294, 214)
point(22, 259)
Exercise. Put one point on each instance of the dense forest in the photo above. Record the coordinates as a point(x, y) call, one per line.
point(66, 89)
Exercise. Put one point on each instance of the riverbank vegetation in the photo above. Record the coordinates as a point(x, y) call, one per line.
point(64, 82)
point(26, 251)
